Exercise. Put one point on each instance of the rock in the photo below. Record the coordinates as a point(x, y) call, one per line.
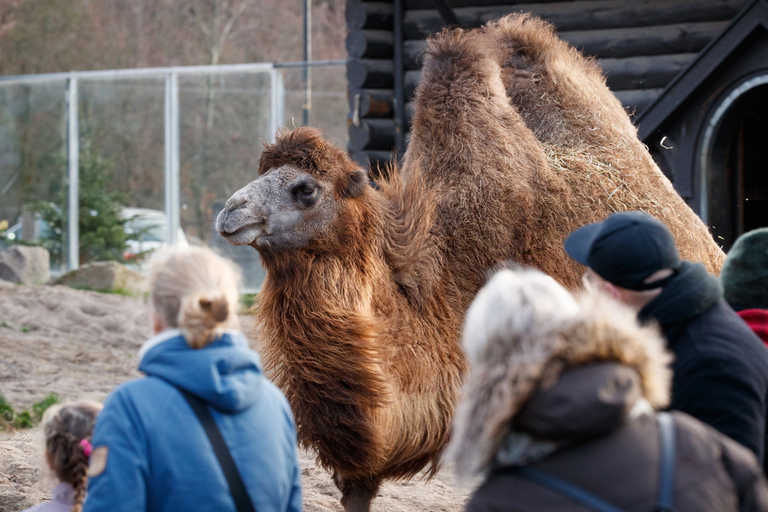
point(108, 276)
point(25, 264)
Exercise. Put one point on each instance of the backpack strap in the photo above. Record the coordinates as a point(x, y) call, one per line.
point(589, 500)
point(237, 488)
point(570, 491)
point(667, 470)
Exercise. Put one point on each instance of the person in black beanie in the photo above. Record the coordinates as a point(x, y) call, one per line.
point(721, 366)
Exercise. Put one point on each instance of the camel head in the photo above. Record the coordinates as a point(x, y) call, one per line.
point(299, 199)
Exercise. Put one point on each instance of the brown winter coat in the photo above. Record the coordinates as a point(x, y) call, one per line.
point(617, 459)
point(580, 407)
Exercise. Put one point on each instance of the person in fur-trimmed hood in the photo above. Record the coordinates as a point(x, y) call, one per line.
point(568, 388)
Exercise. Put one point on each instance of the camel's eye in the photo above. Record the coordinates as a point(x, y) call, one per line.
point(305, 193)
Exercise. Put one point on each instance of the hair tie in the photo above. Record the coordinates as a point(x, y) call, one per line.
point(87, 448)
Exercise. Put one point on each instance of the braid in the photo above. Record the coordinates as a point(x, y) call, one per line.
point(81, 487)
point(65, 427)
point(76, 471)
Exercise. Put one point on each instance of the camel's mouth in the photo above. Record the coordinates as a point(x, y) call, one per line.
point(244, 235)
point(238, 230)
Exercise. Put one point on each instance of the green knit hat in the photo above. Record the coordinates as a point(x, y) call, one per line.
point(745, 271)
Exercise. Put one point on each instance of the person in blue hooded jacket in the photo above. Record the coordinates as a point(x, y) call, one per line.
point(150, 451)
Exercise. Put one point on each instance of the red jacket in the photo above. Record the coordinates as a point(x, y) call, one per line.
point(757, 319)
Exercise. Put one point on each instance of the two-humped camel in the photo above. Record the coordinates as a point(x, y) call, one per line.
point(516, 141)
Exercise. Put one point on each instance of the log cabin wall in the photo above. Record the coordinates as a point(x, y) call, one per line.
point(641, 45)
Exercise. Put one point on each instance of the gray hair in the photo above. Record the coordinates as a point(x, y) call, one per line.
point(522, 303)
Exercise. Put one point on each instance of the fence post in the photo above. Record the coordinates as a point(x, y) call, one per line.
point(172, 182)
point(276, 101)
point(306, 108)
point(73, 175)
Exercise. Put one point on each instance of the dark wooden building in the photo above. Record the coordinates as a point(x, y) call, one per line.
point(693, 75)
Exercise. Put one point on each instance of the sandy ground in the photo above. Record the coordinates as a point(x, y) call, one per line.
point(82, 344)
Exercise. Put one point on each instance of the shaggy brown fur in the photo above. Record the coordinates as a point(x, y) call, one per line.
point(360, 330)
point(360, 326)
point(523, 142)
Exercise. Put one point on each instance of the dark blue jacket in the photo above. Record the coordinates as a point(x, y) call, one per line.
point(158, 456)
point(721, 366)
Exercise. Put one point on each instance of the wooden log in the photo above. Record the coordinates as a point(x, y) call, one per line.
point(370, 74)
point(635, 100)
point(372, 103)
point(644, 72)
point(413, 50)
point(621, 74)
point(617, 43)
point(410, 83)
point(659, 40)
point(410, 108)
point(372, 134)
point(375, 104)
point(370, 44)
point(369, 15)
point(586, 15)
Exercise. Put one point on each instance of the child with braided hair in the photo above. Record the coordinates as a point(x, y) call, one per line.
point(67, 429)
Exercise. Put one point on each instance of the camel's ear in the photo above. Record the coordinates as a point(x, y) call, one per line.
point(357, 181)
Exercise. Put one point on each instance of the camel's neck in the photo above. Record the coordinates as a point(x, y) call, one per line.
point(323, 283)
point(316, 311)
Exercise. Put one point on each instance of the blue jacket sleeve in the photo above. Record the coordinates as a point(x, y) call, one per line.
point(720, 392)
point(294, 500)
point(122, 485)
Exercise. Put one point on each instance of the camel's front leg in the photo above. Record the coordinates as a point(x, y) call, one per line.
point(357, 493)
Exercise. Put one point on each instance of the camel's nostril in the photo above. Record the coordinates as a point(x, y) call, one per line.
point(235, 202)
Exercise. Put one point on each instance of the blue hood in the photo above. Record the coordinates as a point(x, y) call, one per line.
point(225, 373)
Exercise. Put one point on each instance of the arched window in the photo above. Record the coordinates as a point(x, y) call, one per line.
point(732, 163)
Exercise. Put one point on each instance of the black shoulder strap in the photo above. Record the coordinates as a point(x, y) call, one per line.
point(570, 491)
point(667, 471)
point(237, 488)
point(582, 497)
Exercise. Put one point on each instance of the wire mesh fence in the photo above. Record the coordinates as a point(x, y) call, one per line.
point(153, 153)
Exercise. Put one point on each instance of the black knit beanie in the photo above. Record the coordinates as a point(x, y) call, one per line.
point(745, 272)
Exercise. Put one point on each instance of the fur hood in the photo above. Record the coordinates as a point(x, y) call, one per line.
point(537, 336)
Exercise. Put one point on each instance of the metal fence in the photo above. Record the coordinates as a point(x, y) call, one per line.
point(174, 142)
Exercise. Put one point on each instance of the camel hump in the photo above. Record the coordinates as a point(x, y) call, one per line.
point(531, 44)
point(453, 55)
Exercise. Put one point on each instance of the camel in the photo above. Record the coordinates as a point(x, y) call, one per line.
point(516, 141)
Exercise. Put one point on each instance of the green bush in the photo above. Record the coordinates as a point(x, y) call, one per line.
point(246, 302)
point(102, 229)
point(25, 419)
point(6, 411)
point(39, 407)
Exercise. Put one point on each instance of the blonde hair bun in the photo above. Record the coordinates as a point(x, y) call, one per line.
point(193, 289)
point(218, 309)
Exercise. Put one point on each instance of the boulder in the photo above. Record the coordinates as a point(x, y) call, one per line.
point(108, 276)
point(25, 264)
